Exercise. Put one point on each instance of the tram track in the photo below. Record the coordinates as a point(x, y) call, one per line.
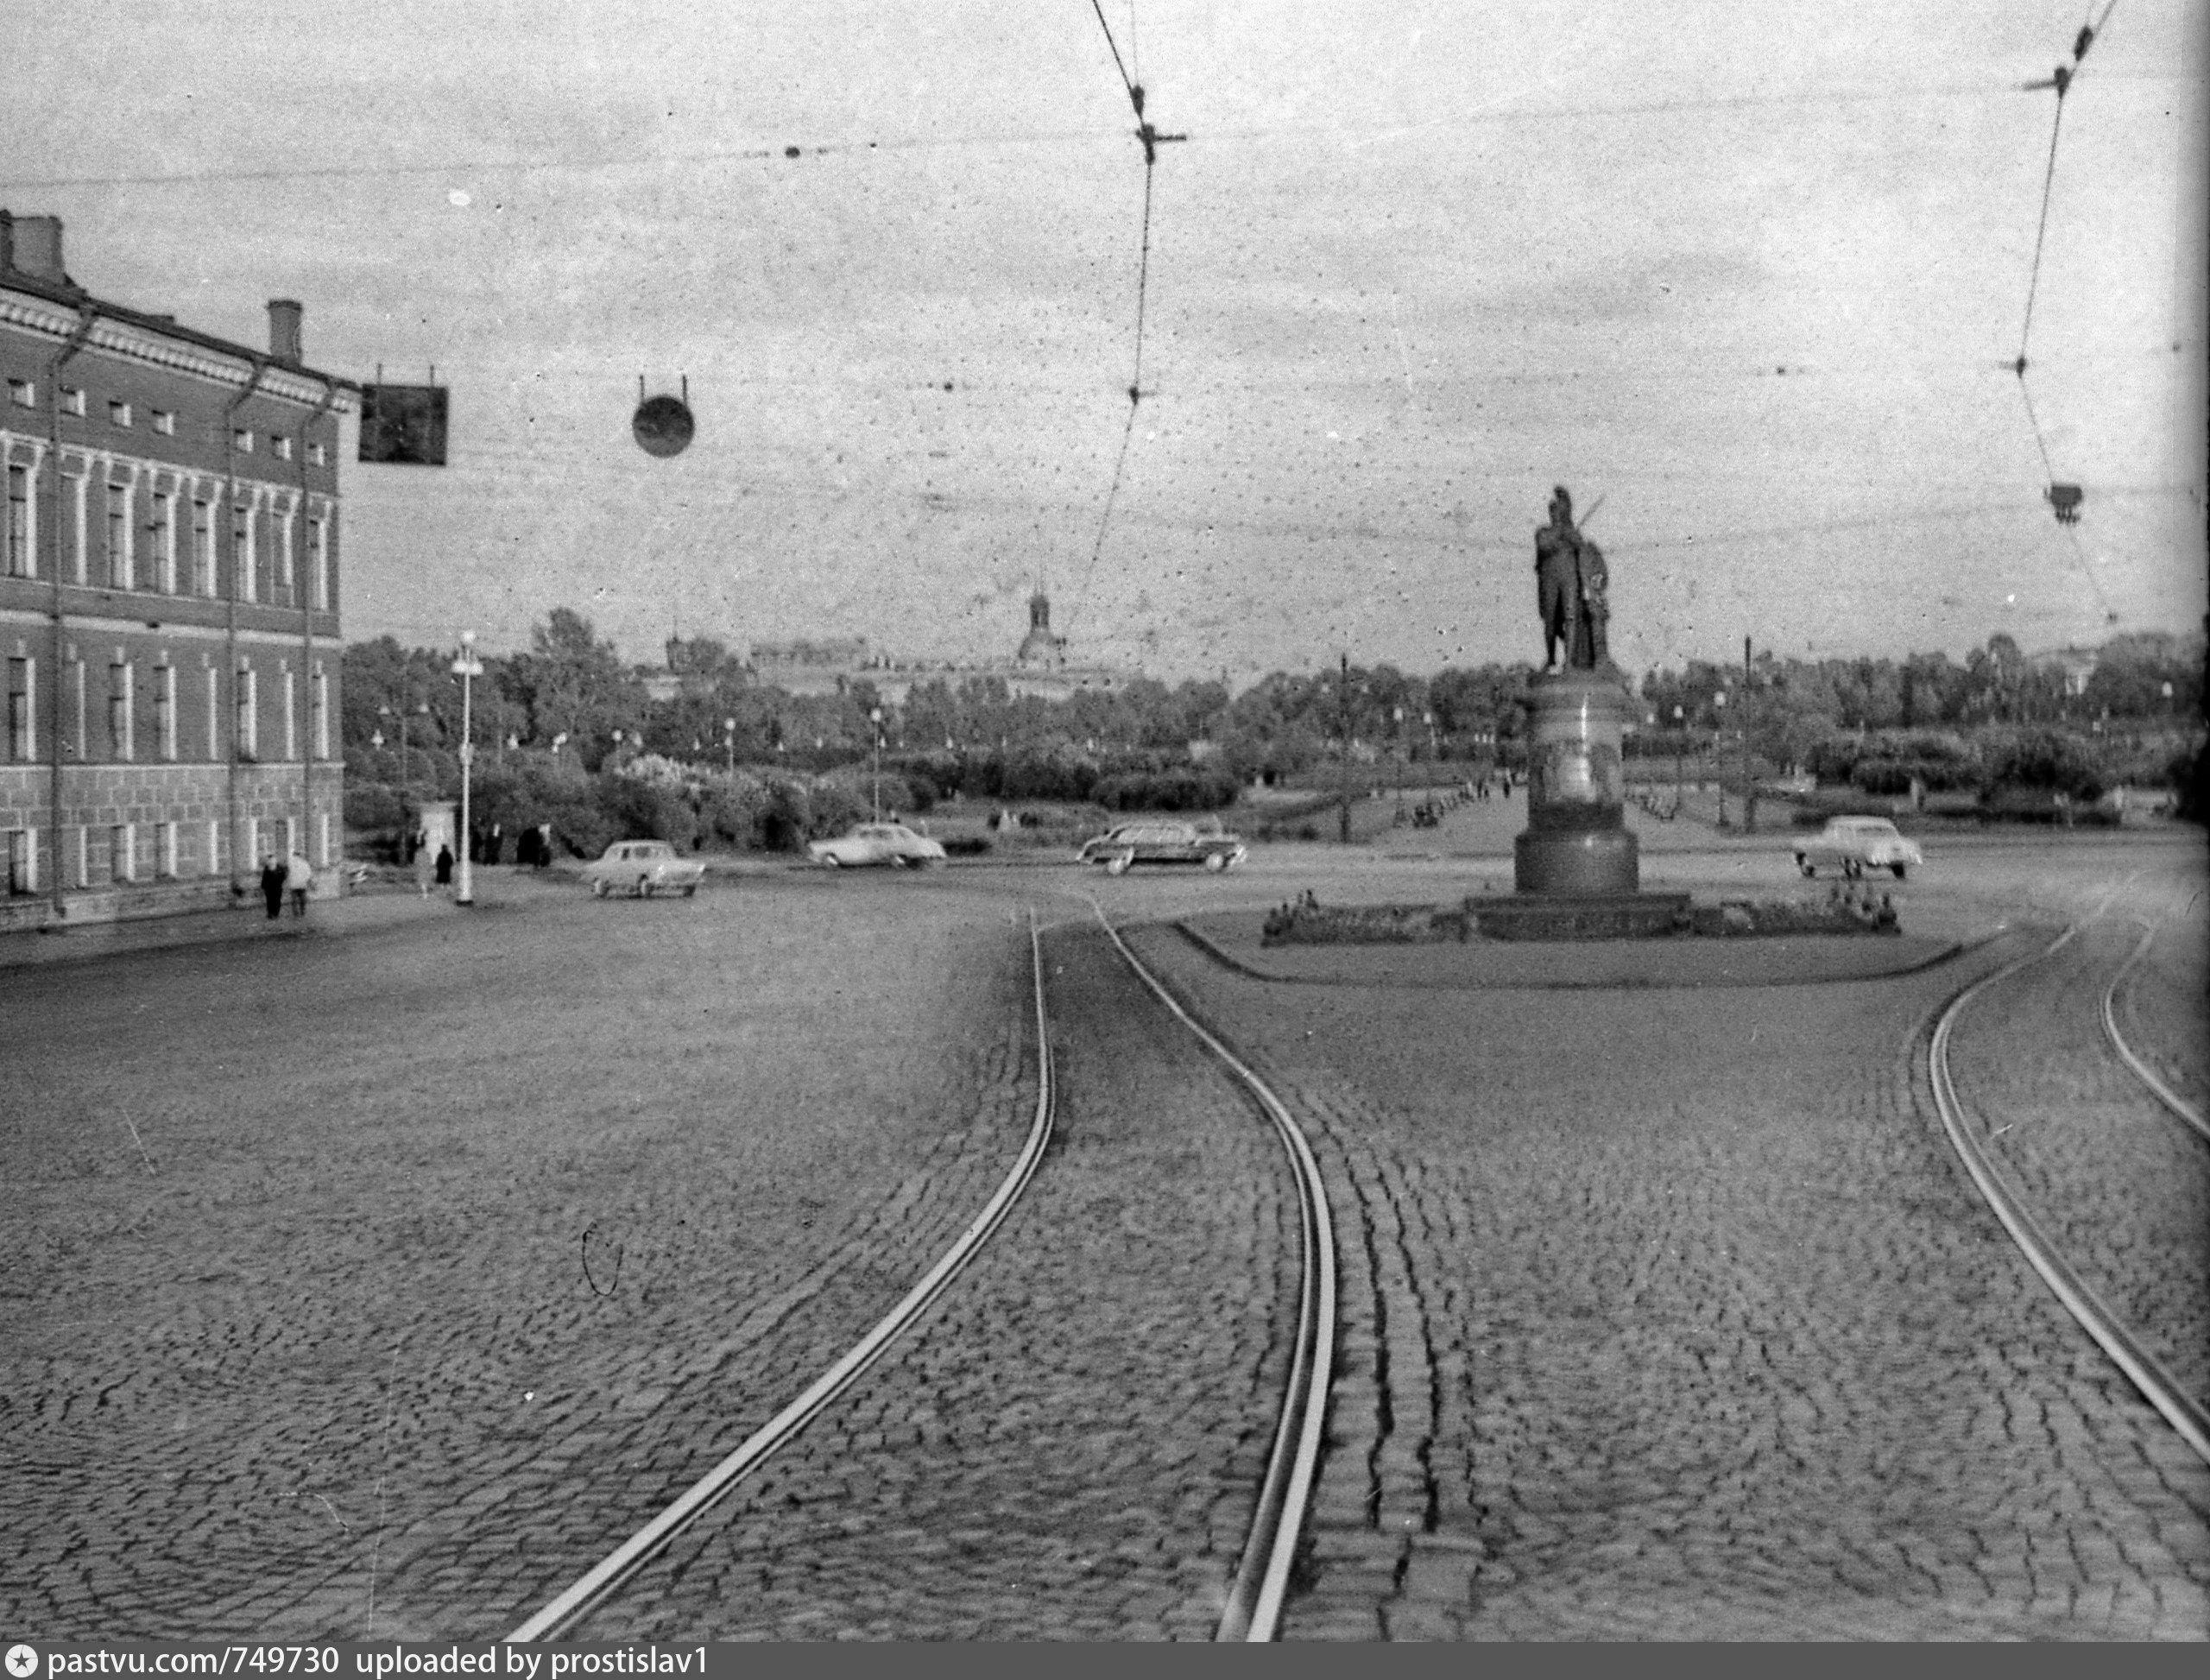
point(1253, 1601)
point(2178, 1106)
point(608, 1577)
point(2122, 1343)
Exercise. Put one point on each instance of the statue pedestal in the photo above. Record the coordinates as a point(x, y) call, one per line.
point(1577, 844)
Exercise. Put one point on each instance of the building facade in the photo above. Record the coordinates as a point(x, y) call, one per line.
point(1038, 668)
point(169, 602)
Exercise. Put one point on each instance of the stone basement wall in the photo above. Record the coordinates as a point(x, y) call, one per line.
point(102, 797)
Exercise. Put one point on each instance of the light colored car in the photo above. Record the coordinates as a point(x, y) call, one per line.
point(1855, 844)
point(643, 868)
point(891, 843)
point(1161, 843)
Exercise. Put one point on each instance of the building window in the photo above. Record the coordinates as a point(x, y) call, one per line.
point(118, 414)
point(214, 853)
point(77, 683)
point(321, 707)
point(214, 714)
point(118, 537)
point(282, 444)
point(22, 393)
point(83, 859)
point(23, 715)
point(241, 553)
point(248, 736)
point(122, 842)
point(73, 400)
point(202, 547)
point(164, 422)
point(254, 850)
point(291, 718)
point(322, 855)
point(165, 709)
point(21, 554)
point(163, 532)
point(167, 866)
point(80, 489)
point(23, 862)
point(282, 592)
point(321, 539)
point(316, 454)
point(118, 710)
point(293, 840)
point(241, 440)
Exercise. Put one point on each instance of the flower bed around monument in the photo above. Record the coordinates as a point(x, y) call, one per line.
point(1844, 909)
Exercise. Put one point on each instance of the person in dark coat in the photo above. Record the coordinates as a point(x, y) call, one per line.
point(444, 866)
point(272, 887)
point(495, 842)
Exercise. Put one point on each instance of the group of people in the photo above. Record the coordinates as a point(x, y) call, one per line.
point(487, 844)
point(292, 876)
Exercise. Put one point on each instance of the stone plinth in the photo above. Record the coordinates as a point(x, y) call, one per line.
point(1558, 916)
point(1577, 844)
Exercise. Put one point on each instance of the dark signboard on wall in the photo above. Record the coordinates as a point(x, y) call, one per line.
point(403, 425)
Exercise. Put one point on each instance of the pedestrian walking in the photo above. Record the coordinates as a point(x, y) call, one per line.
point(444, 866)
point(495, 842)
point(418, 846)
point(298, 877)
point(272, 885)
point(544, 845)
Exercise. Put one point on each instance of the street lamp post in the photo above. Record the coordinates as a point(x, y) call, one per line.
point(1398, 718)
point(467, 667)
point(1344, 820)
point(728, 739)
point(1680, 756)
point(874, 788)
point(1718, 752)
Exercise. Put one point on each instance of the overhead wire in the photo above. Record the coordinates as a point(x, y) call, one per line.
point(2064, 499)
point(1148, 135)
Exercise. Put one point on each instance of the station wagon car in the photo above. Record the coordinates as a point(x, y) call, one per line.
point(1855, 844)
point(643, 868)
point(1161, 843)
point(891, 843)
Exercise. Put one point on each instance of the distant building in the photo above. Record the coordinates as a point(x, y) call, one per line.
point(1040, 667)
point(168, 601)
point(2076, 664)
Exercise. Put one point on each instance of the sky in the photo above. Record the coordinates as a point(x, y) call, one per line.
point(1754, 273)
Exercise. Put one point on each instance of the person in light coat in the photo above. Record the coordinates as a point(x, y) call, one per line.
point(299, 876)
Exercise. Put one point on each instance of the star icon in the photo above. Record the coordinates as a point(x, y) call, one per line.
point(22, 1662)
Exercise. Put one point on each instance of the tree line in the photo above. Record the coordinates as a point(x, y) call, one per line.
point(571, 696)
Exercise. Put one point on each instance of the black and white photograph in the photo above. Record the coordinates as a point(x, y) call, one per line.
point(1102, 820)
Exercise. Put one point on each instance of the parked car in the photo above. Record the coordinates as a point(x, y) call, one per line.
point(1161, 843)
point(891, 843)
point(643, 868)
point(1855, 844)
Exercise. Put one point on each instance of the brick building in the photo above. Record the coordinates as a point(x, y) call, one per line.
point(168, 601)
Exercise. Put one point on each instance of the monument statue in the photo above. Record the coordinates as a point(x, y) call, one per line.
point(1570, 585)
point(1577, 844)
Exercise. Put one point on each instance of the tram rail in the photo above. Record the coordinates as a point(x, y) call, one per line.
point(618, 1567)
point(1253, 1613)
point(2182, 1409)
point(2174, 1102)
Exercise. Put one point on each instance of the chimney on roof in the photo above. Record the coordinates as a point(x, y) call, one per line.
point(284, 317)
point(33, 246)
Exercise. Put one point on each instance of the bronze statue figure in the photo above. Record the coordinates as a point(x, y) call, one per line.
point(1571, 585)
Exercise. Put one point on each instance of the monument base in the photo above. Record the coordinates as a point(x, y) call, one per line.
point(1590, 916)
point(1577, 862)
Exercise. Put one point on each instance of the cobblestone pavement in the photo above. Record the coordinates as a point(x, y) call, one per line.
point(297, 1336)
point(1671, 1314)
point(1071, 1444)
point(2119, 1184)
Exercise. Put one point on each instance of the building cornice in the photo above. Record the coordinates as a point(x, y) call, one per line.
point(136, 339)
